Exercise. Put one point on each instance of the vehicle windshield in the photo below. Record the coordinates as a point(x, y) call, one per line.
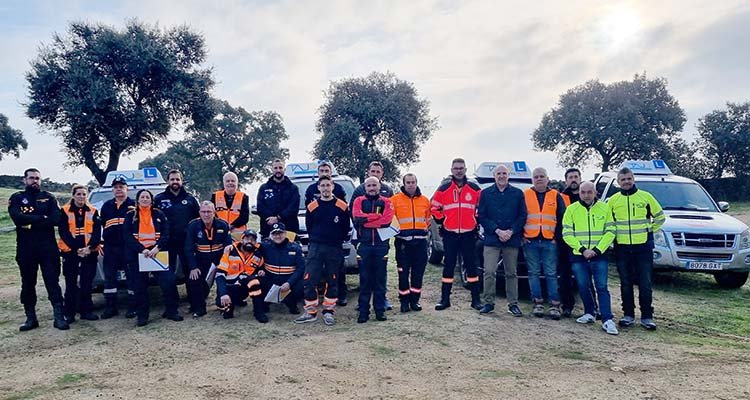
point(302, 185)
point(684, 196)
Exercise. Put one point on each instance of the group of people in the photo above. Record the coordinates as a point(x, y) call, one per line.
point(560, 234)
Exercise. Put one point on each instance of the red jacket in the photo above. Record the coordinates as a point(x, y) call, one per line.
point(456, 206)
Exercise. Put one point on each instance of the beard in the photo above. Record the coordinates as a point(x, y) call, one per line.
point(574, 186)
point(175, 187)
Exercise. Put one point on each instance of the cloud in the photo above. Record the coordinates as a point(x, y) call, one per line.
point(489, 69)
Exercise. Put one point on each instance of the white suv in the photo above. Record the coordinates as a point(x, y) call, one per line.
point(698, 236)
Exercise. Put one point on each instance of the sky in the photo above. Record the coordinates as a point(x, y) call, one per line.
point(490, 69)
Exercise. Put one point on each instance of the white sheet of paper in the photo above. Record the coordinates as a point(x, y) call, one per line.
point(211, 276)
point(387, 233)
point(275, 295)
point(157, 264)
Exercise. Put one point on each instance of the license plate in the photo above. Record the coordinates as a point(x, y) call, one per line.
point(704, 265)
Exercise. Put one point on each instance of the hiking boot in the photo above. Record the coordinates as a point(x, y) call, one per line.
point(109, 313)
point(487, 308)
point(305, 318)
point(59, 320)
point(405, 307)
point(31, 320)
point(199, 313)
point(328, 319)
point(342, 302)
point(626, 321)
point(514, 310)
point(567, 312)
point(442, 305)
point(415, 306)
point(554, 312)
point(141, 322)
point(261, 317)
point(609, 327)
point(586, 319)
point(648, 324)
point(538, 310)
point(89, 316)
point(361, 319)
point(130, 314)
point(228, 313)
point(174, 317)
point(380, 316)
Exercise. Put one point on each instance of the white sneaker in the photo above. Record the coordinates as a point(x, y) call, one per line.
point(328, 319)
point(610, 327)
point(586, 319)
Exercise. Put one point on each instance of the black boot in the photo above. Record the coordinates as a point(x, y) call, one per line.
point(110, 309)
point(31, 321)
point(475, 302)
point(445, 297)
point(60, 322)
point(228, 313)
point(405, 306)
point(414, 302)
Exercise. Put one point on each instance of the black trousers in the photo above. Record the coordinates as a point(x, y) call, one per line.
point(79, 277)
point(31, 258)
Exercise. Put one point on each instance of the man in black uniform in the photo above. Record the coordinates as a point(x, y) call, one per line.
point(204, 245)
point(284, 265)
point(313, 193)
point(278, 201)
point(180, 207)
point(113, 216)
point(35, 213)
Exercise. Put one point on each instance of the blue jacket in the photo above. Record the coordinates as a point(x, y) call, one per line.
point(504, 210)
point(283, 262)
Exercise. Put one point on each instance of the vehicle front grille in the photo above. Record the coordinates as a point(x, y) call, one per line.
point(704, 240)
point(684, 255)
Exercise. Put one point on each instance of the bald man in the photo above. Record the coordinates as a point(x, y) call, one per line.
point(232, 205)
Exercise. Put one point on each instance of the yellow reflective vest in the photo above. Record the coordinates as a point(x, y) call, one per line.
point(591, 227)
point(636, 214)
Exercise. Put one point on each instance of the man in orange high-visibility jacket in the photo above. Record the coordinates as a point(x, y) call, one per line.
point(454, 207)
point(542, 233)
point(412, 210)
point(232, 205)
point(238, 275)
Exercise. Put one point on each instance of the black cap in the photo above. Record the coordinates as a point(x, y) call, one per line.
point(250, 232)
point(120, 180)
point(278, 227)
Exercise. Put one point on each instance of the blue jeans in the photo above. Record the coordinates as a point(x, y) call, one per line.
point(542, 255)
point(597, 268)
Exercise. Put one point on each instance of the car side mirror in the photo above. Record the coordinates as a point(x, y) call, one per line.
point(723, 206)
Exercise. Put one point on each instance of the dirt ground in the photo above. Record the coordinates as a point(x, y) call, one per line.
point(450, 354)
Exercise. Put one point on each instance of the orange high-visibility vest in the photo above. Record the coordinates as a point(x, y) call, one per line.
point(566, 199)
point(236, 262)
point(231, 213)
point(543, 220)
point(86, 230)
point(147, 234)
point(411, 212)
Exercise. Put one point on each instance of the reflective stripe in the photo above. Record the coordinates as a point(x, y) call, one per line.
point(404, 292)
point(109, 291)
point(447, 280)
point(632, 222)
point(280, 269)
point(412, 220)
point(472, 279)
point(415, 290)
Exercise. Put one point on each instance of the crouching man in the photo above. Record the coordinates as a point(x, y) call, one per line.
point(239, 275)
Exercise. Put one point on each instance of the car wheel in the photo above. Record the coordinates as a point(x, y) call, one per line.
point(731, 280)
point(434, 256)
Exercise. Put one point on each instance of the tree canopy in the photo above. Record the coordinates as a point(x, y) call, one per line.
point(724, 140)
point(234, 140)
point(611, 123)
point(11, 140)
point(379, 117)
point(107, 93)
